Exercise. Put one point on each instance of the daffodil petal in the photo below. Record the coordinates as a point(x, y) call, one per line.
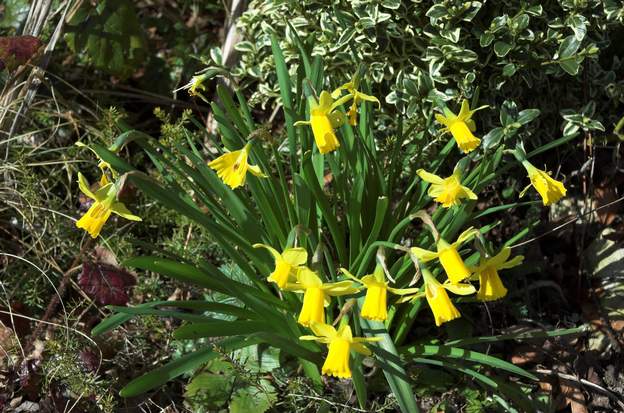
point(121, 210)
point(255, 170)
point(423, 254)
point(465, 236)
point(361, 348)
point(323, 330)
point(442, 119)
point(460, 288)
point(84, 186)
point(514, 262)
point(295, 256)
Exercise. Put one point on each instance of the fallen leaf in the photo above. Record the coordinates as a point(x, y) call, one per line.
point(526, 354)
point(20, 325)
point(106, 284)
point(17, 50)
point(603, 195)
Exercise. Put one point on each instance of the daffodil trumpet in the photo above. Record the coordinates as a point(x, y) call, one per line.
point(447, 191)
point(105, 203)
point(375, 305)
point(461, 126)
point(316, 294)
point(232, 167)
point(449, 257)
point(324, 119)
point(490, 285)
point(550, 189)
point(352, 88)
point(287, 264)
point(438, 299)
point(340, 343)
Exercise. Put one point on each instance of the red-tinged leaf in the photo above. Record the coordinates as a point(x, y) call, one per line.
point(20, 325)
point(17, 50)
point(106, 284)
point(90, 360)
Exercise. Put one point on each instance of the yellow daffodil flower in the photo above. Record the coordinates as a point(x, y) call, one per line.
point(196, 86)
point(316, 294)
point(437, 297)
point(490, 285)
point(286, 264)
point(340, 344)
point(352, 88)
point(461, 126)
point(375, 302)
point(549, 188)
point(447, 191)
point(447, 253)
point(232, 167)
point(105, 203)
point(324, 119)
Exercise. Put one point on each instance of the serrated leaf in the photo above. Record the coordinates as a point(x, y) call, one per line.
point(256, 398)
point(209, 391)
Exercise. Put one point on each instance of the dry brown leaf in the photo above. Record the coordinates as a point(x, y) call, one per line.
point(525, 354)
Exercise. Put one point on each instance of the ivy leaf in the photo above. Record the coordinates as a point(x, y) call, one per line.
point(486, 39)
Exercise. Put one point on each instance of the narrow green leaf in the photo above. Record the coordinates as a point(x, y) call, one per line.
point(518, 336)
point(391, 363)
point(219, 328)
point(459, 353)
point(182, 365)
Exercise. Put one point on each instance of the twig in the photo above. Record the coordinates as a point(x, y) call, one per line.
point(60, 291)
point(576, 218)
point(584, 382)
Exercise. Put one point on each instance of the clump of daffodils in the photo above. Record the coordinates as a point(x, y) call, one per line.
point(305, 285)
